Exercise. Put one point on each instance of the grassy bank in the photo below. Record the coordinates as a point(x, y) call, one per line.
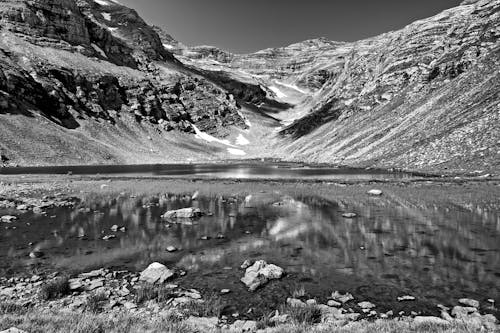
point(63, 322)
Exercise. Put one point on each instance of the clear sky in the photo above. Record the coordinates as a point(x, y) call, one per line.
point(244, 26)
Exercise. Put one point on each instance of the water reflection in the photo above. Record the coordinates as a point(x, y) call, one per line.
point(437, 251)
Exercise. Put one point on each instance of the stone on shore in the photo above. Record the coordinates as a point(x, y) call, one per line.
point(244, 326)
point(156, 273)
point(13, 330)
point(202, 324)
point(261, 273)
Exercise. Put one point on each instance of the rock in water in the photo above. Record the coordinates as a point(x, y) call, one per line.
point(184, 213)
point(336, 296)
point(261, 273)
point(469, 302)
point(156, 273)
point(375, 192)
point(8, 218)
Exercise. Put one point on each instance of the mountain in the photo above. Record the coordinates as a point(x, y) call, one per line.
point(423, 97)
point(90, 82)
point(103, 86)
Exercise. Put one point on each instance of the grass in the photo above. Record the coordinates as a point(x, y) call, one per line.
point(95, 302)
point(59, 322)
point(210, 307)
point(12, 308)
point(149, 292)
point(309, 314)
point(62, 322)
point(56, 288)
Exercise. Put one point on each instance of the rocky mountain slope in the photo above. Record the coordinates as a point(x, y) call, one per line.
point(423, 97)
point(87, 81)
point(90, 82)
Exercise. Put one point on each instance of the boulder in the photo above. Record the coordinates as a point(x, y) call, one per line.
point(261, 273)
point(156, 273)
point(184, 213)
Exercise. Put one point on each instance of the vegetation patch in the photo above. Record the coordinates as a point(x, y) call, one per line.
point(54, 289)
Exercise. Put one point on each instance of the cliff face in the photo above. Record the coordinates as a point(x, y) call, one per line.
point(75, 63)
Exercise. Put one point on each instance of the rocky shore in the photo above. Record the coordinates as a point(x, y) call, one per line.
point(153, 293)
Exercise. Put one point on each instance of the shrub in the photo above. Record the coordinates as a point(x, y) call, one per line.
point(211, 306)
point(150, 292)
point(309, 314)
point(95, 302)
point(56, 288)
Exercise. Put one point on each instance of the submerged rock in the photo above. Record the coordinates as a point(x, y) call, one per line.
point(261, 273)
point(184, 213)
point(156, 273)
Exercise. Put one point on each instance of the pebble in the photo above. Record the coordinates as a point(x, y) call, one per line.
point(225, 291)
point(333, 304)
point(108, 237)
point(36, 254)
point(349, 215)
point(406, 298)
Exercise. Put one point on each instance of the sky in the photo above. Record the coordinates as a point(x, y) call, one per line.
point(244, 26)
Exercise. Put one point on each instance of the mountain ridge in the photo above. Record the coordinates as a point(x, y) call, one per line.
point(422, 97)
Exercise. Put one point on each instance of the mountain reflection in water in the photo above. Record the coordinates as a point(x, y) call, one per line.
point(427, 250)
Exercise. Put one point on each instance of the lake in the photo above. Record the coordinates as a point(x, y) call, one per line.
point(231, 170)
point(409, 241)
